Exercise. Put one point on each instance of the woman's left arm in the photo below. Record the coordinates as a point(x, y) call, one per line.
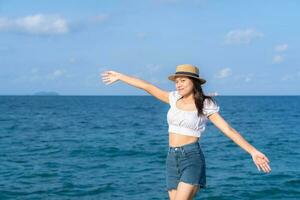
point(261, 161)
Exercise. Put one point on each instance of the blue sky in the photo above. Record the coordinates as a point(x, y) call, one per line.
point(240, 48)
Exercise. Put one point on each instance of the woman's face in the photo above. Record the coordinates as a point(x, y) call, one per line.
point(184, 85)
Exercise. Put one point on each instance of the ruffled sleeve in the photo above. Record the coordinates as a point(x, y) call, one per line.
point(209, 107)
point(173, 96)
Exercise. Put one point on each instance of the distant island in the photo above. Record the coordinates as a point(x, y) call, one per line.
point(43, 93)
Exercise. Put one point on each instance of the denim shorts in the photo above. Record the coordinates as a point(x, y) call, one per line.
point(187, 164)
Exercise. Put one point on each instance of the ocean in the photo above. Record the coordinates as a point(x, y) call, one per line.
point(115, 147)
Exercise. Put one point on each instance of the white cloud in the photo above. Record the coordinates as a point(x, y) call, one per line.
point(278, 59)
point(36, 24)
point(4, 23)
point(223, 73)
point(287, 77)
point(58, 73)
point(281, 47)
point(99, 18)
point(153, 68)
point(34, 70)
point(244, 77)
point(141, 35)
point(153, 73)
point(291, 77)
point(154, 80)
point(242, 36)
point(40, 76)
point(34, 75)
point(72, 60)
point(248, 79)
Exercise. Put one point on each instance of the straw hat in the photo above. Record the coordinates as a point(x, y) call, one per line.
point(187, 70)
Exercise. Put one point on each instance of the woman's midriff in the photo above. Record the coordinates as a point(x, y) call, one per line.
point(176, 139)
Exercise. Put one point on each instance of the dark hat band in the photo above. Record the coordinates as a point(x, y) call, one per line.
point(187, 73)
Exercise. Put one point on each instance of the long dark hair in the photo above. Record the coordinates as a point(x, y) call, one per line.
point(199, 95)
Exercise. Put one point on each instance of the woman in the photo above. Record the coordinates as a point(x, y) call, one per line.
point(189, 111)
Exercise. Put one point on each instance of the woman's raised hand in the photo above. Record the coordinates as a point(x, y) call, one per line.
point(109, 77)
point(261, 161)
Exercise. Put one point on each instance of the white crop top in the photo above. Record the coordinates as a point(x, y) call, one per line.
point(187, 122)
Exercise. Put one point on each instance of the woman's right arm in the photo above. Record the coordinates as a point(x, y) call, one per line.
point(112, 76)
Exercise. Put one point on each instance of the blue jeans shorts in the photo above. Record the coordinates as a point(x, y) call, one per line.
point(185, 163)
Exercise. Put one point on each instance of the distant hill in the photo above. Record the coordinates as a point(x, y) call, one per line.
point(43, 93)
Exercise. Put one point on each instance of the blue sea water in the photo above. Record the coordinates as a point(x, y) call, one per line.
point(114, 147)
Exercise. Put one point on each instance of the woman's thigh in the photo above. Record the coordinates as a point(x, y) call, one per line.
point(172, 194)
point(186, 190)
point(183, 191)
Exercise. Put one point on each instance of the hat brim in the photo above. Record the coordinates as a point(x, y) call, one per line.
point(173, 76)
